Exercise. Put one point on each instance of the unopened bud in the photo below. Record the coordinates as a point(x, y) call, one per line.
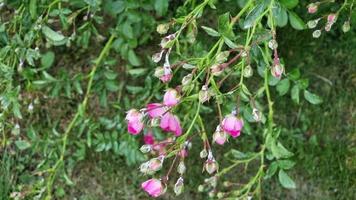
point(146, 148)
point(216, 70)
point(179, 186)
point(312, 8)
point(204, 94)
point(272, 44)
point(346, 26)
point(277, 70)
point(211, 194)
point(211, 166)
point(248, 71)
point(201, 188)
point(312, 23)
point(220, 195)
point(222, 56)
point(187, 79)
point(316, 34)
point(181, 168)
point(162, 28)
point(219, 137)
point(159, 72)
point(257, 115)
point(157, 57)
point(203, 153)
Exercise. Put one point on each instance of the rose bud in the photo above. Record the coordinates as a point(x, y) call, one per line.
point(211, 165)
point(216, 70)
point(146, 148)
point(155, 164)
point(170, 123)
point(162, 28)
point(204, 94)
point(157, 56)
point(332, 18)
point(181, 168)
point(312, 8)
point(257, 115)
point(171, 97)
point(232, 125)
point(153, 187)
point(179, 186)
point(219, 137)
point(203, 153)
point(135, 124)
point(248, 71)
point(277, 70)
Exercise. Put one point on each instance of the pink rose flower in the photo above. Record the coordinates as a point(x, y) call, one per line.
point(170, 123)
point(153, 187)
point(171, 97)
point(232, 125)
point(155, 110)
point(135, 124)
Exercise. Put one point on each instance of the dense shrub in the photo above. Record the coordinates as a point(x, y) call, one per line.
point(228, 80)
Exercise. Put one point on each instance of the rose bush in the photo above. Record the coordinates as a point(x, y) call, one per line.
point(86, 77)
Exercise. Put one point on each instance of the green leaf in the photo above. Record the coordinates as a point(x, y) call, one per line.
point(47, 59)
point(285, 164)
point(272, 169)
point(161, 7)
point(224, 25)
point(230, 43)
point(283, 86)
point(33, 9)
point(211, 31)
point(285, 180)
point(294, 74)
point(279, 151)
point(22, 144)
point(137, 71)
point(295, 93)
point(53, 37)
point(312, 98)
point(295, 21)
point(253, 15)
point(133, 59)
point(280, 15)
point(289, 3)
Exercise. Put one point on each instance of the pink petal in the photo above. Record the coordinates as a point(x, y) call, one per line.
point(155, 110)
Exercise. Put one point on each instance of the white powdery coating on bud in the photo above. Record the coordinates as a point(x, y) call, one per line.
point(272, 44)
point(316, 33)
point(201, 188)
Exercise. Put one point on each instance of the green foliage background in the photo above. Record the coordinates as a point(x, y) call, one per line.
point(49, 47)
